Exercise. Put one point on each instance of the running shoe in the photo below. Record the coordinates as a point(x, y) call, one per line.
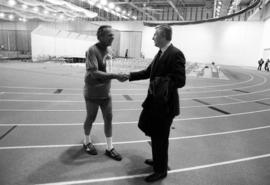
point(90, 149)
point(113, 154)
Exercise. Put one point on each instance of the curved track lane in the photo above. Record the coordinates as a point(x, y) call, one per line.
point(221, 137)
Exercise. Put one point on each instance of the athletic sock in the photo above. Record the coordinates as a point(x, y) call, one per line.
point(109, 143)
point(87, 139)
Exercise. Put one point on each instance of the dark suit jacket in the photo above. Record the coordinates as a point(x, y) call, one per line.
point(171, 65)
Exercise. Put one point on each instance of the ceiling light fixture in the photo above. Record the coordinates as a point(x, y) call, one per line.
point(11, 17)
point(103, 2)
point(118, 9)
point(24, 6)
point(111, 5)
point(2, 15)
point(46, 12)
point(35, 9)
point(12, 2)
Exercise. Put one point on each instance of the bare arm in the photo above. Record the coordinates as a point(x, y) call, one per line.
point(94, 73)
point(102, 76)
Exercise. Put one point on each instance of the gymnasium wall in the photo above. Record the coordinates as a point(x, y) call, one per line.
point(230, 43)
point(226, 42)
point(266, 40)
point(266, 32)
point(15, 37)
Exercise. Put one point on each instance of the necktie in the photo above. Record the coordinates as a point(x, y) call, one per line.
point(156, 60)
point(158, 55)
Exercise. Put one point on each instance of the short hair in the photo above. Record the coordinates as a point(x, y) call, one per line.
point(166, 31)
point(101, 30)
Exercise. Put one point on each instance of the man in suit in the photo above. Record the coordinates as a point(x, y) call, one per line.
point(166, 73)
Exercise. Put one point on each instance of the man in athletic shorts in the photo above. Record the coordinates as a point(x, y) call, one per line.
point(97, 91)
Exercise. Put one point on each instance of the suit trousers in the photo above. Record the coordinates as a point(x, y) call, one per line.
point(160, 146)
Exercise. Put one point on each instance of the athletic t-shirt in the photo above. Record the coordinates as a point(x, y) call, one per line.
point(96, 59)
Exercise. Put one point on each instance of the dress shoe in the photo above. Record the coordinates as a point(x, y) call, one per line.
point(155, 177)
point(149, 162)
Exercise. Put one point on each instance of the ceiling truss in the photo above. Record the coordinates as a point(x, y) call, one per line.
point(119, 10)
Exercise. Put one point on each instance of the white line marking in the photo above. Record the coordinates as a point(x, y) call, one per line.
point(255, 85)
point(121, 110)
point(54, 124)
point(124, 101)
point(240, 94)
point(143, 94)
point(137, 89)
point(138, 141)
point(238, 100)
point(170, 171)
point(77, 89)
point(127, 101)
point(66, 94)
point(48, 93)
point(120, 94)
point(54, 110)
point(63, 101)
point(223, 116)
point(23, 87)
point(134, 122)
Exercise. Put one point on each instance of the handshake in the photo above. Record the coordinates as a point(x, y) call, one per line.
point(122, 77)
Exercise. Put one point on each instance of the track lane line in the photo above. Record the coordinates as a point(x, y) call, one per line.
point(229, 89)
point(125, 101)
point(115, 110)
point(236, 99)
point(139, 141)
point(138, 89)
point(133, 122)
point(210, 165)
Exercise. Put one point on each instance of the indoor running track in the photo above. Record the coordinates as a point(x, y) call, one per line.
point(222, 136)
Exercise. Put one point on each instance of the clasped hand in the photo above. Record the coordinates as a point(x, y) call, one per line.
point(122, 77)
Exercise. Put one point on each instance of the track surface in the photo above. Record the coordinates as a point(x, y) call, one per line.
point(222, 136)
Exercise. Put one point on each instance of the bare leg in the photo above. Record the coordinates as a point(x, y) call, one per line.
point(91, 114)
point(106, 109)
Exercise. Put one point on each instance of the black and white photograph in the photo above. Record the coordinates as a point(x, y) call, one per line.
point(134, 92)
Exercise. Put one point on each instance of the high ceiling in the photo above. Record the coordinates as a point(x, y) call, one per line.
point(118, 10)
